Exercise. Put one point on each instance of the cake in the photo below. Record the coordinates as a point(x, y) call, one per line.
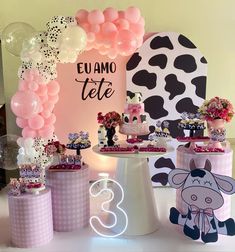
point(191, 121)
point(134, 119)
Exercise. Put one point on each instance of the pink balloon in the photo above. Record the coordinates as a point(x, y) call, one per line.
point(108, 28)
point(112, 54)
point(109, 41)
point(48, 105)
point(99, 40)
point(54, 98)
point(50, 120)
point(47, 131)
point(90, 37)
point(139, 42)
point(42, 90)
point(89, 46)
point(53, 88)
point(23, 85)
point(141, 21)
point(121, 14)
point(28, 75)
point(132, 14)
point(86, 27)
point(33, 86)
point(138, 29)
point(110, 14)
point(28, 132)
point(96, 17)
point(103, 50)
point(126, 42)
point(95, 28)
point(22, 123)
point(40, 109)
point(46, 113)
point(122, 24)
point(81, 16)
point(25, 104)
point(36, 122)
point(43, 98)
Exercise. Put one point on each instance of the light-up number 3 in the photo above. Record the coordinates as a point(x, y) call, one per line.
point(97, 219)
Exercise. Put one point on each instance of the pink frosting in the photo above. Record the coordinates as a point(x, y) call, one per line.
point(134, 110)
point(137, 129)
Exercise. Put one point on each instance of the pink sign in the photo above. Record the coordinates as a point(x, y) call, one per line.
point(93, 84)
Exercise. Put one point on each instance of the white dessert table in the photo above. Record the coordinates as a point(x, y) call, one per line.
point(133, 174)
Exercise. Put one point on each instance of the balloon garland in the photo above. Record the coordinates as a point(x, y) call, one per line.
point(111, 32)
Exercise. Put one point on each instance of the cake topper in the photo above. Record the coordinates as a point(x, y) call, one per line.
point(201, 191)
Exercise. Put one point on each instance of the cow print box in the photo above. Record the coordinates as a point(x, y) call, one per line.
point(170, 72)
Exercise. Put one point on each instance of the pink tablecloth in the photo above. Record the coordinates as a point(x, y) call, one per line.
point(70, 199)
point(31, 219)
point(221, 164)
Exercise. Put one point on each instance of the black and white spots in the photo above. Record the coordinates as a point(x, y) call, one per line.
point(185, 62)
point(152, 107)
point(186, 105)
point(170, 72)
point(145, 78)
point(158, 60)
point(185, 42)
point(173, 86)
point(133, 62)
point(161, 42)
point(200, 84)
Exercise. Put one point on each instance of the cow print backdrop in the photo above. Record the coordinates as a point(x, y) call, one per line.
point(170, 72)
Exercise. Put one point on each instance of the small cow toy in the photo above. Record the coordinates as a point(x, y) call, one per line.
point(201, 190)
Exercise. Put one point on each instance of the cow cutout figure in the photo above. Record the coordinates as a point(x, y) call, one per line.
point(201, 190)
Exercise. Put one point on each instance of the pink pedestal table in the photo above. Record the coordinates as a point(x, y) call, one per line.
point(221, 164)
point(31, 219)
point(70, 199)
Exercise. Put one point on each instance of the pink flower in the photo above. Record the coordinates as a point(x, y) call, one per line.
point(217, 108)
point(110, 119)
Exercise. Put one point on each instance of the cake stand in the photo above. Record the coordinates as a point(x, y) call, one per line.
point(78, 148)
point(133, 175)
point(191, 144)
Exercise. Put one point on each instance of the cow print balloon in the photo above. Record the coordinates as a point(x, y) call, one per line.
point(47, 70)
point(24, 66)
point(170, 72)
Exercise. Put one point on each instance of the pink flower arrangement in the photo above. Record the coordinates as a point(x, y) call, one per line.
point(217, 108)
point(55, 147)
point(111, 119)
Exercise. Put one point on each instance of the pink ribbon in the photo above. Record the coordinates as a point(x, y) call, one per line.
point(201, 218)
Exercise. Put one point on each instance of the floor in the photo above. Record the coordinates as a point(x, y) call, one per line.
point(167, 238)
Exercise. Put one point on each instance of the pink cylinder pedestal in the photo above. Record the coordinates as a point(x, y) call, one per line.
point(70, 199)
point(31, 219)
point(221, 164)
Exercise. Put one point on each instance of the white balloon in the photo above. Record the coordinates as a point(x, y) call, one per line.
point(20, 141)
point(21, 151)
point(74, 38)
point(20, 159)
